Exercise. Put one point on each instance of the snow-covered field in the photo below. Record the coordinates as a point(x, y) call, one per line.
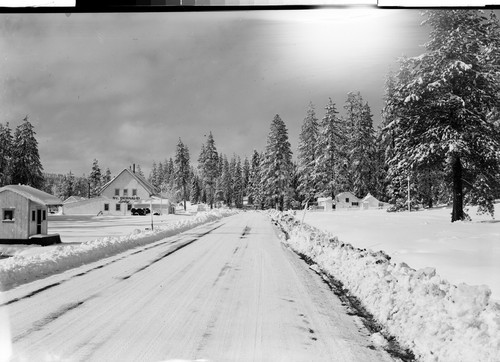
point(86, 240)
point(436, 319)
point(462, 252)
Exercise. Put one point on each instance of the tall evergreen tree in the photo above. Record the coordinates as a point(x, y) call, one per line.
point(307, 155)
point(254, 180)
point(107, 176)
point(331, 161)
point(237, 180)
point(182, 169)
point(95, 179)
point(68, 186)
point(26, 166)
point(209, 168)
point(444, 110)
point(6, 145)
point(246, 176)
point(277, 166)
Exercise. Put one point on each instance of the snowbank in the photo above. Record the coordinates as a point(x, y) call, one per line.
point(24, 269)
point(438, 321)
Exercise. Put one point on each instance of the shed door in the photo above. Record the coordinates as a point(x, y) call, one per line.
point(38, 221)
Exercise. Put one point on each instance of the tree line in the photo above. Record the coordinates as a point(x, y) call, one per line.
point(439, 139)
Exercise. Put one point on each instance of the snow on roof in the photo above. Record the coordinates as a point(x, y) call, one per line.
point(142, 181)
point(35, 195)
point(73, 199)
point(370, 197)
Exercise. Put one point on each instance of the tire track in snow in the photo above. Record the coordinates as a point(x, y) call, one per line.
point(40, 290)
point(41, 323)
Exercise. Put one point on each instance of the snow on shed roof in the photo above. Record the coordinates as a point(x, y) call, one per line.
point(35, 195)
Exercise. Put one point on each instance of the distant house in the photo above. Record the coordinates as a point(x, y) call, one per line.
point(23, 215)
point(347, 200)
point(326, 203)
point(125, 191)
point(370, 202)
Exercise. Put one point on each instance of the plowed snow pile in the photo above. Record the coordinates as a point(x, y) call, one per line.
point(437, 320)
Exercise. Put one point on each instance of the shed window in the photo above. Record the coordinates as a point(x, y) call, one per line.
point(117, 192)
point(355, 203)
point(117, 207)
point(134, 192)
point(346, 199)
point(125, 192)
point(8, 214)
point(33, 215)
point(106, 207)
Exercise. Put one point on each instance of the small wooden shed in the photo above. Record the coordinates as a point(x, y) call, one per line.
point(23, 213)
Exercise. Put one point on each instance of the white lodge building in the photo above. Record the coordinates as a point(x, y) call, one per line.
point(116, 197)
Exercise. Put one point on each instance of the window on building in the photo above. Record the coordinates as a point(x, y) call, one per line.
point(129, 207)
point(346, 199)
point(33, 215)
point(117, 207)
point(125, 192)
point(355, 203)
point(106, 207)
point(8, 214)
point(44, 215)
point(117, 192)
point(134, 192)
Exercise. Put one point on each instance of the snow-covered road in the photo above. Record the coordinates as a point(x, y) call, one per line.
point(224, 291)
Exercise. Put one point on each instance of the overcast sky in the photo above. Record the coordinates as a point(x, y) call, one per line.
point(122, 88)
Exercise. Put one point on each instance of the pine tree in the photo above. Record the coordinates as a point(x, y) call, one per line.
point(277, 165)
point(444, 108)
point(95, 179)
point(361, 141)
point(237, 180)
point(26, 166)
point(209, 168)
point(307, 155)
point(68, 186)
point(195, 194)
point(182, 169)
point(6, 145)
point(226, 184)
point(153, 175)
point(246, 176)
point(254, 180)
point(331, 161)
point(107, 176)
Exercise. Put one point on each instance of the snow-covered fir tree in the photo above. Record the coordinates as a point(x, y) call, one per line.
point(331, 160)
point(25, 163)
point(443, 107)
point(195, 193)
point(246, 175)
point(254, 185)
point(107, 176)
point(208, 163)
point(6, 141)
point(68, 186)
point(182, 170)
point(95, 179)
point(360, 146)
point(237, 178)
point(307, 155)
point(277, 166)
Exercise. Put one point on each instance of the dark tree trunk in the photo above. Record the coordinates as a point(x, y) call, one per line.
point(458, 200)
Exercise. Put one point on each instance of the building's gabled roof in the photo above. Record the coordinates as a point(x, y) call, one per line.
point(141, 180)
point(35, 195)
